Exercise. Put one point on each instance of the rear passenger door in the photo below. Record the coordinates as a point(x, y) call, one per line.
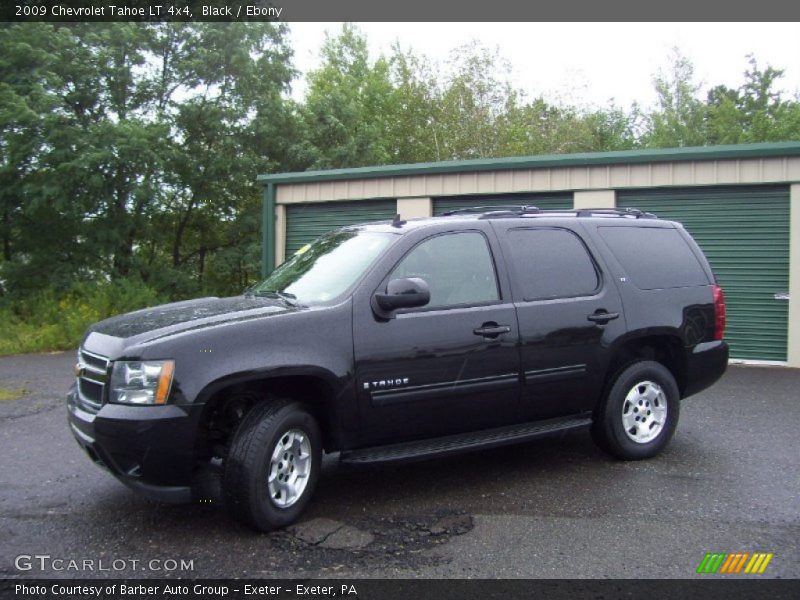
point(569, 312)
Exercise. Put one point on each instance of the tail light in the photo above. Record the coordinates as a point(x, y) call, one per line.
point(719, 312)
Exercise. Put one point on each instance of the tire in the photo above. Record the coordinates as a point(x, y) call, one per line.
point(255, 468)
point(639, 414)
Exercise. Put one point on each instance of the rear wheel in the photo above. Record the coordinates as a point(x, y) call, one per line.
point(639, 413)
point(273, 465)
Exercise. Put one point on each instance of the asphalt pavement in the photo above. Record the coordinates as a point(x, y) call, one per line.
point(556, 508)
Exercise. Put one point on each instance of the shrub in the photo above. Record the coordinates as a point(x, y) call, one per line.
point(49, 320)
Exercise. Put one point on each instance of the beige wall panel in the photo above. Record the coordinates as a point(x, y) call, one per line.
point(356, 189)
point(326, 190)
point(280, 234)
point(793, 168)
point(682, 173)
point(540, 180)
point(504, 182)
point(435, 185)
point(704, 173)
point(339, 190)
point(600, 177)
point(559, 179)
point(521, 180)
point(402, 187)
point(312, 192)
point(449, 184)
point(485, 182)
point(774, 169)
point(418, 185)
point(412, 208)
point(385, 188)
point(728, 171)
point(467, 183)
point(595, 199)
point(750, 170)
point(640, 176)
point(745, 171)
point(577, 178)
point(619, 175)
point(371, 188)
point(662, 174)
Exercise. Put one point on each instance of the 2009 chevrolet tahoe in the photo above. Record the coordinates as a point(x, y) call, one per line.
point(401, 340)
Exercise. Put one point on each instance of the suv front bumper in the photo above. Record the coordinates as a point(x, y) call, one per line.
point(148, 448)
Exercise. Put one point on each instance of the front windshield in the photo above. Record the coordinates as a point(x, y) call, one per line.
point(321, 271)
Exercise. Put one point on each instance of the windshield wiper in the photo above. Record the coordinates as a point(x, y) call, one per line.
point(290, 299)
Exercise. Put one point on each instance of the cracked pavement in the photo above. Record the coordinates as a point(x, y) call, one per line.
point(552, 508)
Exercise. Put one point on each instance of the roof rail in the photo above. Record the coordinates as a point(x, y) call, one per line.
point(504, 208)
point(619, 212)
point(497, 212)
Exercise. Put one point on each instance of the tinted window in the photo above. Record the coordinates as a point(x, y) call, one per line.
point(457, 266)
point(654, 258)
point(551, 263)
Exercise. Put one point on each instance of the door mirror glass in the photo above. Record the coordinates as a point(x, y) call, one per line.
point(407, 292)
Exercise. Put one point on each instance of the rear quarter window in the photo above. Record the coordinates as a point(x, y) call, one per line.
point(654, 257)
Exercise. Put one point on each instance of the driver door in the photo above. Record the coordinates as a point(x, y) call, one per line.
point(450, 366)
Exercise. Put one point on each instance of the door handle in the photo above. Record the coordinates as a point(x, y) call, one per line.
point(601, 317)
point(491, 330)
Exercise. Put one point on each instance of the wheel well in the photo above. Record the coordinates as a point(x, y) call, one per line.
point(226, 408)
point(664, 349)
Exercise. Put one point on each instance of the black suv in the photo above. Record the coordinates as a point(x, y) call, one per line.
point(406, 339)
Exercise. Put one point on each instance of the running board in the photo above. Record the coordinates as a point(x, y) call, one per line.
point(464, 442)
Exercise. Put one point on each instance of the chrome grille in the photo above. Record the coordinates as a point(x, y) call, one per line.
point(92, 372)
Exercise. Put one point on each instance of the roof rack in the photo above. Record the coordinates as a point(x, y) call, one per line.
point(516, 209)
point(619, 212)
point(499, 211)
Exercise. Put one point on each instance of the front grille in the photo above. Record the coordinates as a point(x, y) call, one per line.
point(92, 379)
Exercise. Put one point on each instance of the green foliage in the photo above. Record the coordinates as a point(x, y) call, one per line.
point(48, 320)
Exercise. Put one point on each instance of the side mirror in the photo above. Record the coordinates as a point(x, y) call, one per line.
point(401, 293)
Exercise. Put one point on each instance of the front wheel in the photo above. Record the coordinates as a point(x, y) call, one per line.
point(273, 465)
point(640, 412)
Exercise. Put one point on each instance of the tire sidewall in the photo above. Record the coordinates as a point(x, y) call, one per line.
point(266, 514)
point(621, 444)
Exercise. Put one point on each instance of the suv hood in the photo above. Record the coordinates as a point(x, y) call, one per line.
point(176, 317)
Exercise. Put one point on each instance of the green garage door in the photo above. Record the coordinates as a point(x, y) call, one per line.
point(543, 201)
point(744, 232)
point(306, 222)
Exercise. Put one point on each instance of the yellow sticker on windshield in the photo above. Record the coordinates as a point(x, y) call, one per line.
point(303, 250)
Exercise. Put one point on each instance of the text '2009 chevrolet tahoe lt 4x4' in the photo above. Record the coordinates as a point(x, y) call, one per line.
point(402, 340)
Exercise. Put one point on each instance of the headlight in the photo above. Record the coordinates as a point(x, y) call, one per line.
point(141, 382)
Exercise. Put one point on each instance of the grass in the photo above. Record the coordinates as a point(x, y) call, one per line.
point(53, 320)
point(11, 394)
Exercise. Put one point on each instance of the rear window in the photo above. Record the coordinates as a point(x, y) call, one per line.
point(654, 258)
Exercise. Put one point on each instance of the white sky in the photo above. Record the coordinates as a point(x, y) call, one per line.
point(586, 63)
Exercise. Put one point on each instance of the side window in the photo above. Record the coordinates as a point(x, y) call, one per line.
point(551, 263)
point(457, 266)
point(654, 257)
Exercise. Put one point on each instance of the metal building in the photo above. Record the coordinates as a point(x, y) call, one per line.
point(741, 203)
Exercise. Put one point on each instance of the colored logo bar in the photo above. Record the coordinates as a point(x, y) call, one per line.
point(731, 564)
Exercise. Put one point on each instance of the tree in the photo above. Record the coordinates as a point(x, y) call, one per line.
point(345, 105)
point(678, 118)
point(755, 112)
point(130, 150)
